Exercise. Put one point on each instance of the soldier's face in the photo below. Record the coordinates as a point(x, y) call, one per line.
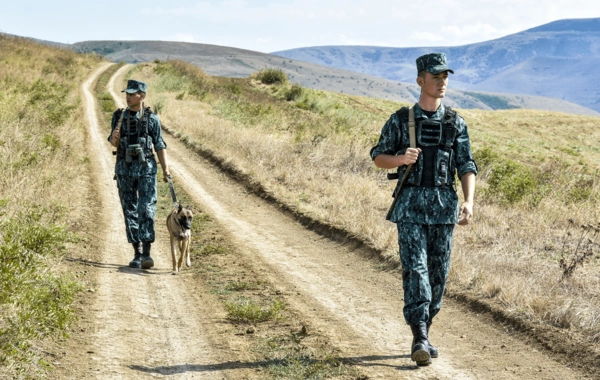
point(434, 85)
point(134, 100)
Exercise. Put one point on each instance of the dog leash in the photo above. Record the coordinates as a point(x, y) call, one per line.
point(172, 188)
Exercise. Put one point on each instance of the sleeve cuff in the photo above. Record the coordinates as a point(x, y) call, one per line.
point(469, 167)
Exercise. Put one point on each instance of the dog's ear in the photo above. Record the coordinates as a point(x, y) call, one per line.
point(180, 208)
point(189, 207)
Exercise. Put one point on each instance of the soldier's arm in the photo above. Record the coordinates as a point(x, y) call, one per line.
point(384, 154)
point(387, 161)
point(467, 170)
point(467, 182)
point(164, 163)
point(160, 147)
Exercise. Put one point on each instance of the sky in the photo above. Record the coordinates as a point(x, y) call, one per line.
point(269, 26)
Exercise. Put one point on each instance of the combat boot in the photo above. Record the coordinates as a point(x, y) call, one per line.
point(432, 350)
point(420, 346)
point(147, 261)
point(137, 258)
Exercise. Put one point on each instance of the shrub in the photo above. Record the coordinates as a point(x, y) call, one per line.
point(272, 76)
point(246, 311)
point(293, 92)
point(511, 181)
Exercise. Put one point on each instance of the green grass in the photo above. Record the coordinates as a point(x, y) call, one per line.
point(244, 310)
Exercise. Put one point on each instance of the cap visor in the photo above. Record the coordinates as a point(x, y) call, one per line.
point(440, 69)
point(130, 91)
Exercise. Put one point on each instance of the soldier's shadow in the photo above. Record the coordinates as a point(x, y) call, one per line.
point(122, 268)
point(358, 361)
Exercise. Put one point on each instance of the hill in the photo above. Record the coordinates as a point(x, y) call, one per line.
point(546, 61)
point(233, 62)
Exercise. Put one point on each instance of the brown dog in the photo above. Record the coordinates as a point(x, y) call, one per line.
point(179, 224)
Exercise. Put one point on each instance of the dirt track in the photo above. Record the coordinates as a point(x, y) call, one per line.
point(145, 323)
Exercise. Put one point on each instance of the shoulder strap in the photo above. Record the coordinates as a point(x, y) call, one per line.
point(411, 128)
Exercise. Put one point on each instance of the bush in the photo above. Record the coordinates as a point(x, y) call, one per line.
point(272, 76)
point(247, 311)
point(293, 92)
point(511, 182)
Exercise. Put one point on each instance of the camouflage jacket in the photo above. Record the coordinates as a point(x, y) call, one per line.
point(135, 168)
point(426, 205)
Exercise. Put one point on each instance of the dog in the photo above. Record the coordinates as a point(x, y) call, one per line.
point(179, 224)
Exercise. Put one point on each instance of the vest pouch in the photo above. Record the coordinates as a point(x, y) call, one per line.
point(442, 175)
point(429, 133)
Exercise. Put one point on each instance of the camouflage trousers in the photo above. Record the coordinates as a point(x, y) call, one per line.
point(138, 200)
point(425, 255)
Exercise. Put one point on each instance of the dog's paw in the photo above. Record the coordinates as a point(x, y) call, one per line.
point(188, 263)
point(175, 273)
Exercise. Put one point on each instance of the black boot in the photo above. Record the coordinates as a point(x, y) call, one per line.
point(147, 261)
point(137, 258)
point(420, 347)
point(432, 350)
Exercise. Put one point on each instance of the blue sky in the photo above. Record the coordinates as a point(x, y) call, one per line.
point(269, 26)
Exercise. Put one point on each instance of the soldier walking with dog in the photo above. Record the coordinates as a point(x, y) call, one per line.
point(429, 144)
point(134, 132)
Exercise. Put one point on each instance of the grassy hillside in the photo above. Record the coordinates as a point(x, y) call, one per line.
point(42, 197)
point(232, 62)
point(536, 203)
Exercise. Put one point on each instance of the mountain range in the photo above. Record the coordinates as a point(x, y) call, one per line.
point(550, 60)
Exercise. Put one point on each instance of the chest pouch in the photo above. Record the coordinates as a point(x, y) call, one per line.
point(430, 133)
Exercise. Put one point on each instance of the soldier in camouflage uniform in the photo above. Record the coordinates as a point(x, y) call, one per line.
point(427, 204)
point(134, 131)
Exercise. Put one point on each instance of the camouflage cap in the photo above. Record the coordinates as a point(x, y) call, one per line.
point(434, 63)
point(134, 86)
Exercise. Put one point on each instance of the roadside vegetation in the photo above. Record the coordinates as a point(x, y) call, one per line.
point(309, 149)
point(106, 103)
point(42, 158)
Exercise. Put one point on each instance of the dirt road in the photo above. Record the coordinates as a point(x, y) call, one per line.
point(146, 319)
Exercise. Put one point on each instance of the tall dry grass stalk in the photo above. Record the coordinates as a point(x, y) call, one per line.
point(312, 153)
point(42, 195)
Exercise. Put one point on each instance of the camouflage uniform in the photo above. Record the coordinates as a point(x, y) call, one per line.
point(425, 216)
point(136, 181)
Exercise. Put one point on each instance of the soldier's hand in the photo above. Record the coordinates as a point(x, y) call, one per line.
point(410, 156)
point(166, 176)
point(465, 214)
point(116, 135)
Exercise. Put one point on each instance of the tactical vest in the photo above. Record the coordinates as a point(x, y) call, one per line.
point(134, 131)
point(435, 166)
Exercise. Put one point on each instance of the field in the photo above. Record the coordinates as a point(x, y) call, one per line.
point(42, 199)
point(532, 249)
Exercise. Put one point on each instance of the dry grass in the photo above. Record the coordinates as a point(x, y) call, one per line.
point(42, 189)
point(312, 153)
